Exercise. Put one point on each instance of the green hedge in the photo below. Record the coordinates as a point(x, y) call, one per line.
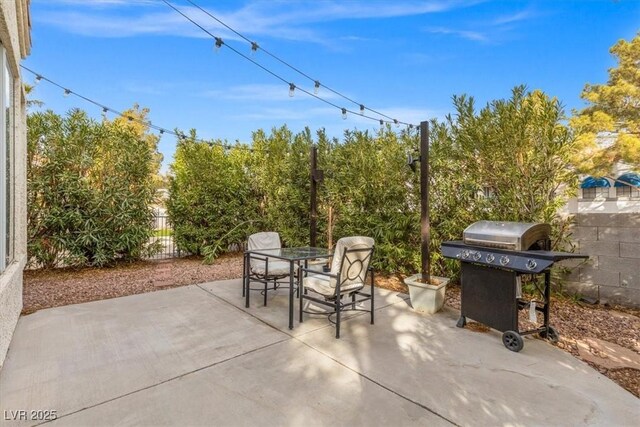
point(517, 148)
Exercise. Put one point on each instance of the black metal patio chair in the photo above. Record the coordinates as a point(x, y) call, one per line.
point(263, 269)
point(346, 278)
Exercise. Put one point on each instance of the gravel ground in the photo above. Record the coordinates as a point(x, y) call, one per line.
point(573, 320)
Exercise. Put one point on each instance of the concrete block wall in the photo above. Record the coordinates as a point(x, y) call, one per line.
point(612, 241)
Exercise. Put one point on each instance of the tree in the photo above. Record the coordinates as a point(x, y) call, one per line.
point(613, 116)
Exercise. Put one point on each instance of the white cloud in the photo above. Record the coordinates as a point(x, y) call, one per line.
point(263, 92)
point(514, 17)
point(492, 31)
point(465, 34)
point(278, 19)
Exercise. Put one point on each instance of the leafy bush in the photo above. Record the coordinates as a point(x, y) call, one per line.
point(89, 190)
point(212, 202)
point(515, 150)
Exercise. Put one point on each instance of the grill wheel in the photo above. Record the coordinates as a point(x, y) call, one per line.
point(513, 341)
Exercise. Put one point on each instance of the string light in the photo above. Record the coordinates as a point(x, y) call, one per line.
point(344, 114)
point(219, 43)
point(361, 109)
point(292, 89)
point(396, 122)
point(254, 47)
point(131, 118)
point(37, 80)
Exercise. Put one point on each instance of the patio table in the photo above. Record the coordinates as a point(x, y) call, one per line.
point(293, 256)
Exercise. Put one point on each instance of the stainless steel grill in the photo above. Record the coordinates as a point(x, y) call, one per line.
point(494, 256)
point(516, 236)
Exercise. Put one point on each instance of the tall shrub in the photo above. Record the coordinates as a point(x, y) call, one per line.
point(89, 190)
point(212, 202)
point(369, 192)
point(280, 172)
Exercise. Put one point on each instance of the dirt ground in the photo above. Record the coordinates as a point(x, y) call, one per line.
point(580, 325)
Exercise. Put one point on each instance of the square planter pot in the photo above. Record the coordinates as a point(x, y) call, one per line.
point(426, 298)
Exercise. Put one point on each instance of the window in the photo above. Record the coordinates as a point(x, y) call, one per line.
point(6, 160)
point(628, 191)
point(595, 193)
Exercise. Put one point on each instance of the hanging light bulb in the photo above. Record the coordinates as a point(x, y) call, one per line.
point(316, 87)
point(37, 80)
point(292, 89)
point(396, 122)
point(105, 110)
point(161, 131)
point(381, 122)
point(254, 47)
point(344, 114)
point(361, 109)
point(67, 92)
point(219, 43)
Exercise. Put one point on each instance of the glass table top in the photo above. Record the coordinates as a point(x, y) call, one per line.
point(294, 254)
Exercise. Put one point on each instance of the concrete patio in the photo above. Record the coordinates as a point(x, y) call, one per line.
point(195, 356)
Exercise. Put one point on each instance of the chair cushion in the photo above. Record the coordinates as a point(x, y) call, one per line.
point(358, 274)
point(276, 268)
point(321, 285)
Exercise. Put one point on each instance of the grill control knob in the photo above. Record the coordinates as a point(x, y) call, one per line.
point(531, 264)
point(477, 256)
point(465, 254)
point(504, 260)
point(490, 258)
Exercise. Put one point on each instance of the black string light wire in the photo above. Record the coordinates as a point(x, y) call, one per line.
point(292, 87)
point(105, 109)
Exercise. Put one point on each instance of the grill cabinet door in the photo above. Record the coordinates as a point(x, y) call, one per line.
point(489, 296)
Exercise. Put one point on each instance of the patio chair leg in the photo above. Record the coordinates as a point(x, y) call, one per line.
point(244, 274)
point(300, 303)
point(372, 297)
point(337, 317)
point(266, 284)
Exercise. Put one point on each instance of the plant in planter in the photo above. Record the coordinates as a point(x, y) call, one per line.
point(426, 292)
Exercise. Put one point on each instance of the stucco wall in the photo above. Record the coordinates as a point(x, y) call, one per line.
point(612, 241)
point(14, 36)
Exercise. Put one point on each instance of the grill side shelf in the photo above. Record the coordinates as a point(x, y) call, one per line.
point(530, 262)
point(546, 255)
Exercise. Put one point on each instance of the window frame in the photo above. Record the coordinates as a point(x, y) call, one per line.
point(631, 191)
point(599, 193)
point(7, 159)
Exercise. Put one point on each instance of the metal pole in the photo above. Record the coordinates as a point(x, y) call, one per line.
point(425, 226)
point(314, 203)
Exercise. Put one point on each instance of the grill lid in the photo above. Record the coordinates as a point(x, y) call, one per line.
point(517, 236)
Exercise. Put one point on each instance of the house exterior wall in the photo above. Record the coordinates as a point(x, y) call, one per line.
point(607, 229)
point(15, 38)
point(612, 241)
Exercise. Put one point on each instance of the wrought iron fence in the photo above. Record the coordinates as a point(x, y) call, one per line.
point(161, 244)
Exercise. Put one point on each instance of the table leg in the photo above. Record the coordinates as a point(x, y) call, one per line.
point(291, 295)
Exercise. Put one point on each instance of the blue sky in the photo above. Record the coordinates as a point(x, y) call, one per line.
point(403, 58)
